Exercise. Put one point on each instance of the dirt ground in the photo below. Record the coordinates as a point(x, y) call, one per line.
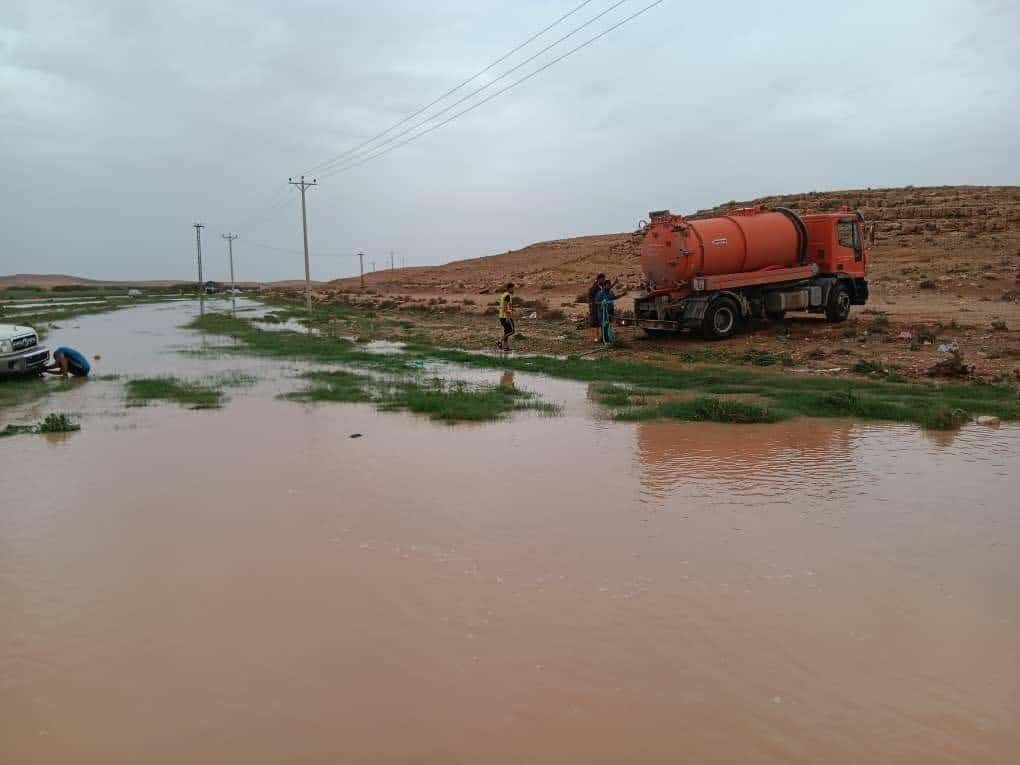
point(945, 271)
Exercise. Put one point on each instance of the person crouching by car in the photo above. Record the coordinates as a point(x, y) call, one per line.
point(69, 361)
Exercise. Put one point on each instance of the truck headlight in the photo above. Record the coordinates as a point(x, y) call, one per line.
point(6, 346)
point(698, 283)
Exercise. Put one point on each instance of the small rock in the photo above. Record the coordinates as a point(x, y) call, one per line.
point(951, 347)
point(988, 420)
point(354, 435)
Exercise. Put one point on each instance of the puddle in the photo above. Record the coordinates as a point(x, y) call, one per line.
point(253, 585)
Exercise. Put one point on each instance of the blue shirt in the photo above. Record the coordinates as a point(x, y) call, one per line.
point(77, 364)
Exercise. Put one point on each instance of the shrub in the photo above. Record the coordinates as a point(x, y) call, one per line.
point(767, 358)
point(869, 367)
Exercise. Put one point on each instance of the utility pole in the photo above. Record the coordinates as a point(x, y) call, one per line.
point(198, 248)
point(304, 185)
point(391, 260)
point(230, 249)
point(373, 266)
point(361, 263)
point(403, 262)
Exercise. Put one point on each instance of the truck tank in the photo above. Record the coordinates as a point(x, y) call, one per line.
point(676, 249)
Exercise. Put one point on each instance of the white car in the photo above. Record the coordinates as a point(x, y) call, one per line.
point(20, 352)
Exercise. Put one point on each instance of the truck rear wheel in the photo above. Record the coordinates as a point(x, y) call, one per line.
point(838, 307)
point(722, 319)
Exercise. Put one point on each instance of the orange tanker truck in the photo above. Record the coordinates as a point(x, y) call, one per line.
point(714, 274)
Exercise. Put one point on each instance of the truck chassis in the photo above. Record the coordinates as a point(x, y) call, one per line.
point(718, 306)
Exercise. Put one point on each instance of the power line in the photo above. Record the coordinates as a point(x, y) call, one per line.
point(486, 86)
point(280, 198)
point(360, 161)
point(450, 92)
point(291, 251)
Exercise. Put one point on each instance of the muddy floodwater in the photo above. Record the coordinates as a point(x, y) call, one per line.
point(252, 585)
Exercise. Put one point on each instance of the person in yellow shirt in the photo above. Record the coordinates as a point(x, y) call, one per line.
point(506, 316)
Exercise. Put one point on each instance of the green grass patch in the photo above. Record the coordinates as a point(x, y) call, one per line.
point(191, 394)
point(348, 387)
point(612, 395)
point(762, 358)
point(444, 400)
point(702, 409)
point(52, 423)
point(778, 395)
point(456, 401)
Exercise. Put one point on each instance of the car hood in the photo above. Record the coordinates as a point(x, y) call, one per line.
point(13, 330)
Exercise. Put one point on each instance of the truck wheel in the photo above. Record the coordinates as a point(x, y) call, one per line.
point(722, 319)
point(838, 307)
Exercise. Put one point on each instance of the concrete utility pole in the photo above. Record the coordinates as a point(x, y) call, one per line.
point(304, 185)
point(230, 249)
point(391, 261)
point(361, 264)
point(198, 248)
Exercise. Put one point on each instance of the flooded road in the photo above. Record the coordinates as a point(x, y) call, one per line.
point(252, 585)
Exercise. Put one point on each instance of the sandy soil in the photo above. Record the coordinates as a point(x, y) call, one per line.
point(945, 269)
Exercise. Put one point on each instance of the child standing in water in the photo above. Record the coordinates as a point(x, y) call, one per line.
point(506, 316)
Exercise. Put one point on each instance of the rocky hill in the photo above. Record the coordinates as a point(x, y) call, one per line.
point(936, 239)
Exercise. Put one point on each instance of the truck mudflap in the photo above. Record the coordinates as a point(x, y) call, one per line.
point(860, 292)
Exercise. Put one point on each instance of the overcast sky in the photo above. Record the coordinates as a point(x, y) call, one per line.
point(122, 122)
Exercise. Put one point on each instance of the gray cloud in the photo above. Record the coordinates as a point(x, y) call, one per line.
point(123, 122)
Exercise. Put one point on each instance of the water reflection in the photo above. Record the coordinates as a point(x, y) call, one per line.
point(769, 459)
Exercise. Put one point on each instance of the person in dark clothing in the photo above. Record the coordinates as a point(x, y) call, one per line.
point(604, 299)
point(593, 312)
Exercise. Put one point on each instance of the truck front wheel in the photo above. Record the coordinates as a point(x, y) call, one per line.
point(838, 307)
point(722, 319)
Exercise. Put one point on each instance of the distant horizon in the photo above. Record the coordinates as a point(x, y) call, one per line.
point(299, 277)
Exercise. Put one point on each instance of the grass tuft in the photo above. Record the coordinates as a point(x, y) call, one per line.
point(193, 395)
point(703, 409)
point(444, 400)
point(52, 423)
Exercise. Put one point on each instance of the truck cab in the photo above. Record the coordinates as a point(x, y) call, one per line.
point(836, 245)
point(20, 351)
